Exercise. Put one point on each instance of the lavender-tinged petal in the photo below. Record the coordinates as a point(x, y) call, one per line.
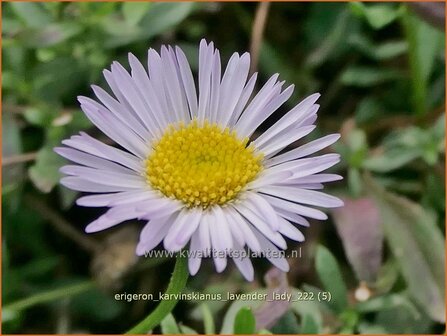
point(246, 228)
point(261, 206)
point(290, 231)
point(90, 145)
point(153, 233)
point(259, 224)
point(105, 177)
point(242, 102)
point(79, 184)
point(271, 250)
point(243, 264)
point(295, 208)
point(195, 259)
point(263, 113)
point(294, 116)
point(285, 139)
point(92, 161)
point(303, 196)
point(187, 82)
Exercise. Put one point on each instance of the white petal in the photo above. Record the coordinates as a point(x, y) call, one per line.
point(153, 233)
point(303, 196)
point(286, 139)
point(215, 88)
point(294, 117)
point(114, 199)
point(112, 217)
point(316, 178)
point(158, 207)
point(173, 86)
point(204, 233)
point(265, 111)
point(242, 102)
point(307, 149)
point(244, 264)
point(259, 224)
point(290, 231)
point(269, 178)
point(293, 217)
point(182, 229)
point(233, 82)
point(90, 145)
point(295, 208)
point(235, 229)
point(206, 53)
point(187, 81)
point(264, 209)
point(246, 228)
point(218, 220)
point(219, 254)
point(91, 160)
point(121, 112)
point(272, 253)
point(79, 184)
point(147, 91)
point(195, 258)
point(133, 96)
point(115, 130)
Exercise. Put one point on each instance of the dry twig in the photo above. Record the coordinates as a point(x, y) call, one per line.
point(257, 33)
point(61, 224)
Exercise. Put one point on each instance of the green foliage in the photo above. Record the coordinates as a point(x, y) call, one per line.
point(244, 322)
point(330, 275)
point(380, 69)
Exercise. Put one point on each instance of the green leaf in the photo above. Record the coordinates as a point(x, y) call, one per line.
point(160, 17)
point(418, 246)
point(287, 324)
point(309, 325)
point(49, 35)
point(185, 330)
point(32, 13)
point(331, 278)
point(235, 307)
point(388, 301)
point(169, 326)
point(208, 320)
point(378, 15)
point(331, 42)
point(365, 76)
point(45, 172)
point(163, 16)
point(244, 322)
point(383, 51)
point(425, 43)
point(391, 159)
point(133, 12)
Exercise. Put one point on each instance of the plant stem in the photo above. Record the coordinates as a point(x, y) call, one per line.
point(176, 285)
point(49, 296)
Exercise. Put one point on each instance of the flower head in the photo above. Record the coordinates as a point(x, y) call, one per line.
point(186, 164)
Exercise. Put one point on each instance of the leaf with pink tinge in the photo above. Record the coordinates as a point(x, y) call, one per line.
point(359, 227)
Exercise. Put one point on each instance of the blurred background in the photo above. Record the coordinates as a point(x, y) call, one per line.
point(380, 70)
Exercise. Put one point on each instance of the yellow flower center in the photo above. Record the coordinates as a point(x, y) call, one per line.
point(201, 164)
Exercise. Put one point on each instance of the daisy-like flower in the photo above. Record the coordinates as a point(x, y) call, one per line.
point(187, 165)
